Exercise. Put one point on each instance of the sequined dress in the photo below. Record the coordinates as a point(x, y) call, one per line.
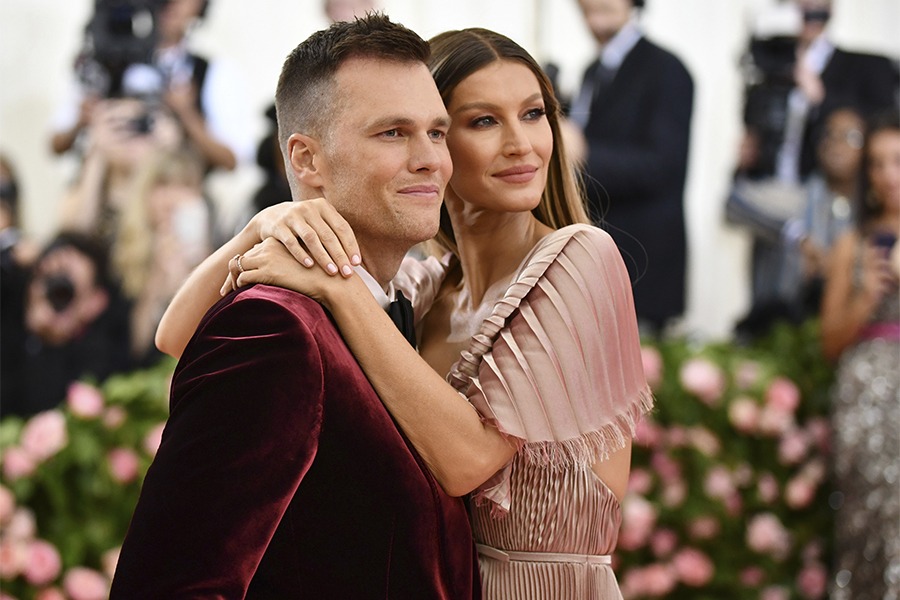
point(556, 367)
point(866, 424)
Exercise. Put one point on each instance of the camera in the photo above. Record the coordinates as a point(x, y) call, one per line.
point(121, 33)
point(768, 73)
point(59, 291)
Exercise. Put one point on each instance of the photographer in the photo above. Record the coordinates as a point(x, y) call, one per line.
point(139, 49)
point(76, 324)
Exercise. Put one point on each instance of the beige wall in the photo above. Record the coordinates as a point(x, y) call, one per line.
point(38, 39)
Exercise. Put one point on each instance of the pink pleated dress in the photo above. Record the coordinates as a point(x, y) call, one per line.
point(557, 367)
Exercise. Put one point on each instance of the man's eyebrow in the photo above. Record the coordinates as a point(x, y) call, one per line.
point(398, 121)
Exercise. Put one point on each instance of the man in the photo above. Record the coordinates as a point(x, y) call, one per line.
point(280, 473)
point(635, 110)
point(803, 79)
point(203, 94)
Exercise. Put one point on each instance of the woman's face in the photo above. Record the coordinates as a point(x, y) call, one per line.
point(884, 168)
point(499, 139)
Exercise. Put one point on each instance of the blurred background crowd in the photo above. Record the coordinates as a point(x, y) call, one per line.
point(745, 156)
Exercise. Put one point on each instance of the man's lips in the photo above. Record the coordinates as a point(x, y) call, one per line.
point(421, 190)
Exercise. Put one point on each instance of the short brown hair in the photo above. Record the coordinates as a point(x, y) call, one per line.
point(304, 101)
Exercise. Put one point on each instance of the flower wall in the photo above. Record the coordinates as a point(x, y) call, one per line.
point(70, 480)
point(728, 496)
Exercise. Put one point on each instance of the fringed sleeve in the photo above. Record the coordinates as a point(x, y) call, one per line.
point(557, 365)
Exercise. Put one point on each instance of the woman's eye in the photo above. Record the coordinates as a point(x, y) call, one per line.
point(483, 122)
point(535, 114)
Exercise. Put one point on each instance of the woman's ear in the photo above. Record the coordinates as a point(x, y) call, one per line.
point(305, 161)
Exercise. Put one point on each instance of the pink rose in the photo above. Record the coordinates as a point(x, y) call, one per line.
point(640, 481)
point(752, 577)
point(22, 525)
point(17, 463)
point(638, 519)
point(734, 504)
point(677, 436)
point(114, 417)
point(783, 395)
point(820, 433)
point(793, 447)
point(743, 413)
point(85, 400)
point(7, 505)
point(775, 592)
point(13, 556)
point(718, 483)
point(747, 374)
point(123, 464)
point(704, 441)
point(704, 379)
point(653, 365)
point(766, 535)
point(81, 583)
point(153, 439)
point(693, 567)
point(665, 467)
point(648, 434)
point(799, 493)
point(663, 542)
point(45, 434)
point(110, 560)
point(43, 564)
point(704, 528)
point(812, 581)
point(775, 421)
point(659, 580)
point(767, 488)
point(51, 593)
point(674, 494)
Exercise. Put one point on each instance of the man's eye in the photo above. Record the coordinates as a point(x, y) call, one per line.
point(437, 134)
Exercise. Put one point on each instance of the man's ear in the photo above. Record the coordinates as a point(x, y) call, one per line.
point(306, 160)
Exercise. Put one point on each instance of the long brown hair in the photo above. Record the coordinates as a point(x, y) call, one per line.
point(457, 54)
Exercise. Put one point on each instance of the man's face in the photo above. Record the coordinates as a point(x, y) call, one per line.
point(605, 17)
point(386, 162)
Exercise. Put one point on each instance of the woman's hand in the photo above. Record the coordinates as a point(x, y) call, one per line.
point(313, 232)
point(269, 262)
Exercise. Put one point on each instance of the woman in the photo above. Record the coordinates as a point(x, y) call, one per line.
point(530, 313)
point(861, 331)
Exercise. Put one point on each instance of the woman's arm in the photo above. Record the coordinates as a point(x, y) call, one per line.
point(460, 450)
point(326, 239)
point(847, 308)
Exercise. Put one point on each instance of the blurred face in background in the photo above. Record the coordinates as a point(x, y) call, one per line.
point(815, 15)
point(175, 18)
point(840, 150)
point(884, 168)
point(605, 17)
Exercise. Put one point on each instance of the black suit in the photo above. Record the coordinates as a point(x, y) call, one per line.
point(865, 82)
point(638, 133)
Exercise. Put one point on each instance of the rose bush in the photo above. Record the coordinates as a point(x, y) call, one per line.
point(728, 492)
point(69, 481)
point(727, 497)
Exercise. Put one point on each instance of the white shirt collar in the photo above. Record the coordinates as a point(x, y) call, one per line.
point(818, 54)
point(383, 296)
point(620, 45)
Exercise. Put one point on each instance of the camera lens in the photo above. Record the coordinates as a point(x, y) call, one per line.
point(60, 291)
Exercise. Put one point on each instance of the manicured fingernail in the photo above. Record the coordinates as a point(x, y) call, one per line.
point(331, 268)
point(355, 259)
point(346, 270)
point(308, 262)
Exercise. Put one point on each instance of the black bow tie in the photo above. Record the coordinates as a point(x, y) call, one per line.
point(401, 313)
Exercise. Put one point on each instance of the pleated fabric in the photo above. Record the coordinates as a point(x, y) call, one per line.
point(557, 368)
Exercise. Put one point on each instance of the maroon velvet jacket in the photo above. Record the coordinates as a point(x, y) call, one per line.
point(281, 474)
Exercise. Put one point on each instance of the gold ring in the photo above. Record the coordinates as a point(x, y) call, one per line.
point(240, 267)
